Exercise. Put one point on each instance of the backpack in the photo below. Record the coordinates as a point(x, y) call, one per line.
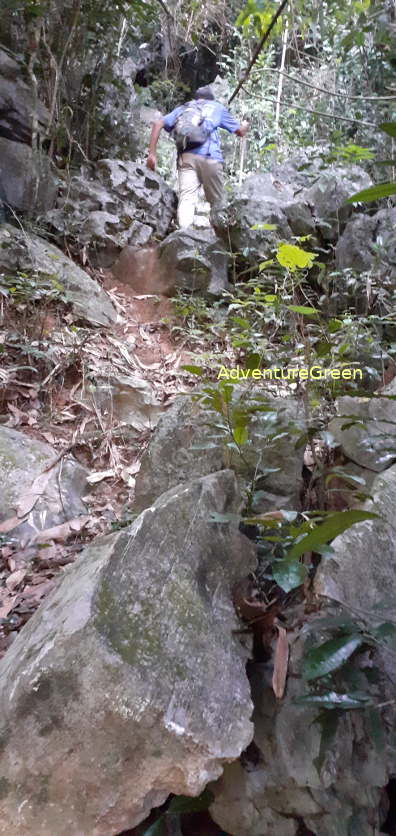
point(190, 130)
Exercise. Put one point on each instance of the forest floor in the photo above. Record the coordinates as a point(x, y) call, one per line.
point(45, 406)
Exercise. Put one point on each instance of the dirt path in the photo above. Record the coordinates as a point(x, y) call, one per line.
point(46, 406)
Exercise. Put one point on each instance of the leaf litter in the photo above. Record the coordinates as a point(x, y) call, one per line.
point(39, 386)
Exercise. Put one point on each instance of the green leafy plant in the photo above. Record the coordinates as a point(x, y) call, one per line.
point(338, 683)
point(348, 153)
point(24, 288)
point(291, 540)
point(293, 257)
point(381, 189)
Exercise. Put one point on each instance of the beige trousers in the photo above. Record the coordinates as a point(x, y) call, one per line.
point(194, 171)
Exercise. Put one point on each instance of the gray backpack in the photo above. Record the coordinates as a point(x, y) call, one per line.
point(190, 130)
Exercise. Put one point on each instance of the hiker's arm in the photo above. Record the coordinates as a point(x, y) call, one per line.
point(243, 129)
point(231, 125)
point(151, 161)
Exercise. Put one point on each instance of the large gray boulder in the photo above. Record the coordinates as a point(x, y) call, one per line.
point(23, 252)
point(294, 203)
point(111, 205)
point(361, 572)
point(327, 195)
point(128, 683)
point(369, 242)
point(193, 260)
point(27, 179)
point(188, 259)
point(22, 459)
point(286, 780)
point(365, 429)
point(259, 202)
point(187, 443)
point(16, 101)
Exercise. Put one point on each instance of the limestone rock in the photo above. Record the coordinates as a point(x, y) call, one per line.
point(170, 458)
point(368, 241)
point(294, 202)
point(112, 205)
point(23, 252)
point(186, 443)
point(242, 224)
point(22, 459)
point(28, 180)
point(16, 102)
point(361, 573)
point(193, 260)
point(128, 399)
point(328, 194)
point(280, 783)
point(128, 683)
point(369, 442)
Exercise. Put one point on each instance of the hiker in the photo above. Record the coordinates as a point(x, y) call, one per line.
point(199, 159)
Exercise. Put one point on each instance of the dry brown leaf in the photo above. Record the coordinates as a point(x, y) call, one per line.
point(270, 515)
point(8, 525)
point(134, 468)
point(28, 499)
point(6, 552)
point(6, 606)
point(19, 416)
point(49, 437)
point(61, 532)
point(35, 593)
point(281, 662)
point(15, 579)
point(32, 394)
point(99, 475)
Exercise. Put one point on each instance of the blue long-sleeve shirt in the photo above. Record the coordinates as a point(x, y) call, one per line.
point(215, 116)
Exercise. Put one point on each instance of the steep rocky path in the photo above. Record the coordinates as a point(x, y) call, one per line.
point(106, 436)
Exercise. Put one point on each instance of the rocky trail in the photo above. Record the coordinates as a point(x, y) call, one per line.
point(110, 463)
point(197, 529)
point(138, 349)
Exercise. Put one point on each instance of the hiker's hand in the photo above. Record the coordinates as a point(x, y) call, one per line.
point(244, 128)
point(151, 161)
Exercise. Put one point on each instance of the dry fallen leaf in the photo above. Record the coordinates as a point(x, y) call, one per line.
point(19, 417)
point(15, 579)
point(6, 552)
point(49, 437)
point(99, 475)
point(6, 606)
point(281, 661)
point(8, 525)
point(28, 499)
point(35, 593)
point(61, 532)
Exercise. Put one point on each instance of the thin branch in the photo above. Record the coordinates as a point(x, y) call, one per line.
point(322, 89)
point(308, 110)
point(166, 10)
point(257, 51)
point(280, 83)
point(34, 41)
point(57, 69)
